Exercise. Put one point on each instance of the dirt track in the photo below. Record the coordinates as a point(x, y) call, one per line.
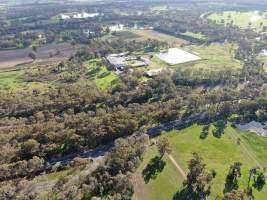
point(176, 165)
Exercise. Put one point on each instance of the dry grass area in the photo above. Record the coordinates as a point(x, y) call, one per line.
point(51, 52)
point(155, 35)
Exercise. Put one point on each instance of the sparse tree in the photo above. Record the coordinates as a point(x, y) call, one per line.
point(163, 146)
point(198, 182)
point(32, 55)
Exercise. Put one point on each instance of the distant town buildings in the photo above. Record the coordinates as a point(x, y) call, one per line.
point(117, 27)
point(78, 15)
point(263, 52)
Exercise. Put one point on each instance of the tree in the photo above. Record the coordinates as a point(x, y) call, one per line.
point(260, 181)
point(32, 55)
point(29, 148)
point(252, 173)
point(198, 182)
point(237, 195)
point(163, 146)
point(231, 179)
point(34, 48)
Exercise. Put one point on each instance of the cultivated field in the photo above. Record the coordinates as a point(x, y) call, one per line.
point(51, 52)
point(218, 151)
point(253, 19)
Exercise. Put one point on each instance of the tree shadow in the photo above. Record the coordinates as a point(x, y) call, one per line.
point(205, 132)
point(187, 194)
point(153, 168)
point(220, 125)
point(230, 184)
point(259, 182)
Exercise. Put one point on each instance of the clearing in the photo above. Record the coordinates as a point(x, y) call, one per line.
point(11, 80)
point(219, 151)
point(155, 35)
point(214, 57)
point(100, 74)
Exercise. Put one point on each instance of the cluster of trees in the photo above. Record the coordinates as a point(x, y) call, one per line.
point(100, 48)
point(111, 179)
point(232, 190)
point(22, 168)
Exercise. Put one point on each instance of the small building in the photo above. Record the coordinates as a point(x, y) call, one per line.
point(153, 72)
point(88, 32)
point(63, 16)
point(117, 61)
point(120, 61)
point(117, 27)
point(263, 52)
point(138, 63)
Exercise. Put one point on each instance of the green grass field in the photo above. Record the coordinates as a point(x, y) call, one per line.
point(252, 19)
point(214, 57)
point(194, 35)
point(100, 74)
point(218, 154)
point(10, 79)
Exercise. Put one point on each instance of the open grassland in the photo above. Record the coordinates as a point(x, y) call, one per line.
point(198, 36)
point(159, 8)
point(155, 35)
point(214, 57)
point(253, 19)
point(100, 74)
point(218, 153)
point(12, 81)
point(144, 34)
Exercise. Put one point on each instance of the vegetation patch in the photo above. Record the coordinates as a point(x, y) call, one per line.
point(10, 79)
point(103, 77)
